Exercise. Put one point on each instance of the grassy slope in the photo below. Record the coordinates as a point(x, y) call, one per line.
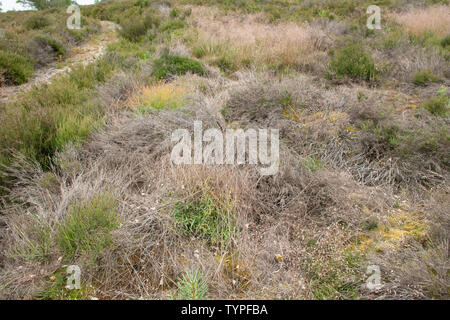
point(34, 39)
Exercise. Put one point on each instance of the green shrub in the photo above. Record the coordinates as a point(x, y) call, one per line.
point(174, 13)
point(445, 42)
point(352, 61)
point(56, 46)
point(152, 21)
point(391, 135)
point(85, 230)
point(37, 22)
point(173, 25)
point(16, 69)
point(439, 106)
point(424, 77)
point(169, 65)
point(133, 31)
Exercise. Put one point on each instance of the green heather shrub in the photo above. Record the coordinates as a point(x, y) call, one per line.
point(135, 31)
point(445, 42)
point(424, 77)
point(173, 25)
point(391, 135)
point(168, 65)
point(439, 106)
point(132, 30)
point(16, 69)
point(85, 230)
point(56, 45)
point(37, 22)
point(353, 62)
point(152, 20)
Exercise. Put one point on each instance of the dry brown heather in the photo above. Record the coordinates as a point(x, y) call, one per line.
point(363, 175)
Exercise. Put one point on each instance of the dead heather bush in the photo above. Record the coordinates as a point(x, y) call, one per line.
point(149, 252)
point(259, 98)
point(359, 131)
point(406, 60)
point(256, 103)
point(117, 89)
point(417, 21)
point(415, 272)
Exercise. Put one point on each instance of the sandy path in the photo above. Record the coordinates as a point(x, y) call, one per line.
point(84, 54)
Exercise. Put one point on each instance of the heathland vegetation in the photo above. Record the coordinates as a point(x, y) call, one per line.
point(86, 177)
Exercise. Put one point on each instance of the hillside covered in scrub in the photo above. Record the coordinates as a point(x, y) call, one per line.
point(86, 176)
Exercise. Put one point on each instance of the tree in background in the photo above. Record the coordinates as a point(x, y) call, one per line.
point(45, 4)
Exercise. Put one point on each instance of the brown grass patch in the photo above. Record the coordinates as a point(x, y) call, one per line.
point(248, 40)
point(417, 21)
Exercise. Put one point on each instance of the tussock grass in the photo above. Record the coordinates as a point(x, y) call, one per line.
point(206, 219)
